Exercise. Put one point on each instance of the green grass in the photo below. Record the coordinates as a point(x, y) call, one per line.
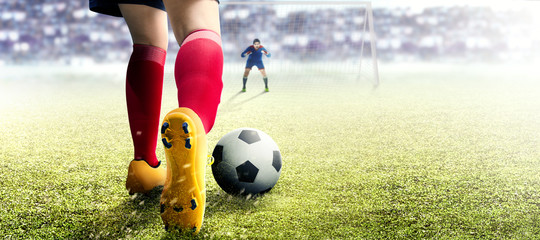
point(442, 152)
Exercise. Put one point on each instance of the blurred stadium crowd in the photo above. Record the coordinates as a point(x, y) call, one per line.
point(66, 32)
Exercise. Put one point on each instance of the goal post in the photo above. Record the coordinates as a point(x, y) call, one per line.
point(310, 42)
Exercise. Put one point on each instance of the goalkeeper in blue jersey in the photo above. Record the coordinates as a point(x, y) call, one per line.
point(255, 53)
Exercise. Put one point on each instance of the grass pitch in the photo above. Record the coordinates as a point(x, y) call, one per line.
point(443, 152)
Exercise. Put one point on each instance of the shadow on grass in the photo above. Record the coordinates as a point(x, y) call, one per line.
point(221, 201)
point(232, 104)
point(218, 202)
point(136, 214)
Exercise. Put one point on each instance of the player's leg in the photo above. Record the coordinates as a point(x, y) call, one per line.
point(198, 71)
point(199, 62)
point(265, 79)
point(147, 25)
point(245, 78)
point(144, 83)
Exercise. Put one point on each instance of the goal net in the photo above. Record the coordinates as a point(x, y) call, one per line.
point(311, 43)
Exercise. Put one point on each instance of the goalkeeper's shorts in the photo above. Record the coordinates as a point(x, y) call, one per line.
point(259, 64)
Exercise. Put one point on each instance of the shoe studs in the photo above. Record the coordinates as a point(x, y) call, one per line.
point(185, 127)
point(193, 204)
point(167, 144)
point(188, 143)
point(164, 127)
point(178, 209)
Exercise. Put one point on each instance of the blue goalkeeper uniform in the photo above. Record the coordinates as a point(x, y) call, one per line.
point(255, 58)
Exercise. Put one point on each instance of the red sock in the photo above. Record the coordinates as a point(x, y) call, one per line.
point(198, 70)
point(144, 86)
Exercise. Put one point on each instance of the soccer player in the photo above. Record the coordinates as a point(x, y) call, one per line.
point(255, 53)
point(196, 26)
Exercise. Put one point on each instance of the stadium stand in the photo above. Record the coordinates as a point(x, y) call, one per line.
point(66, 32)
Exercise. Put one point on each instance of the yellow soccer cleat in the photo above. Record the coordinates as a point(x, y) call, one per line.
point(184, 194)
point(142, 178)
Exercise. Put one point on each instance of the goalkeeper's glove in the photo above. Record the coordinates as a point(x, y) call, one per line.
point(245, 54)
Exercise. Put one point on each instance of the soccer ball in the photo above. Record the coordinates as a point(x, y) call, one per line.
point(246, 162)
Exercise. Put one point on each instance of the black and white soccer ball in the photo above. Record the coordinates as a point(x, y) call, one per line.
point(246, 162)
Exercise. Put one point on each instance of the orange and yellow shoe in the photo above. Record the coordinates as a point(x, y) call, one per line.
point(184, 194)
point(142, 178)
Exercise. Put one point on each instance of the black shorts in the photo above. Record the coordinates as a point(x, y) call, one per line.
point(110, 7)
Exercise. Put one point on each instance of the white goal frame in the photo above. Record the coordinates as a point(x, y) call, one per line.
point(368, 22)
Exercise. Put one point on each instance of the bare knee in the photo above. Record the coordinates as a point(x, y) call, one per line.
point(263, 72)
point(246, 72)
